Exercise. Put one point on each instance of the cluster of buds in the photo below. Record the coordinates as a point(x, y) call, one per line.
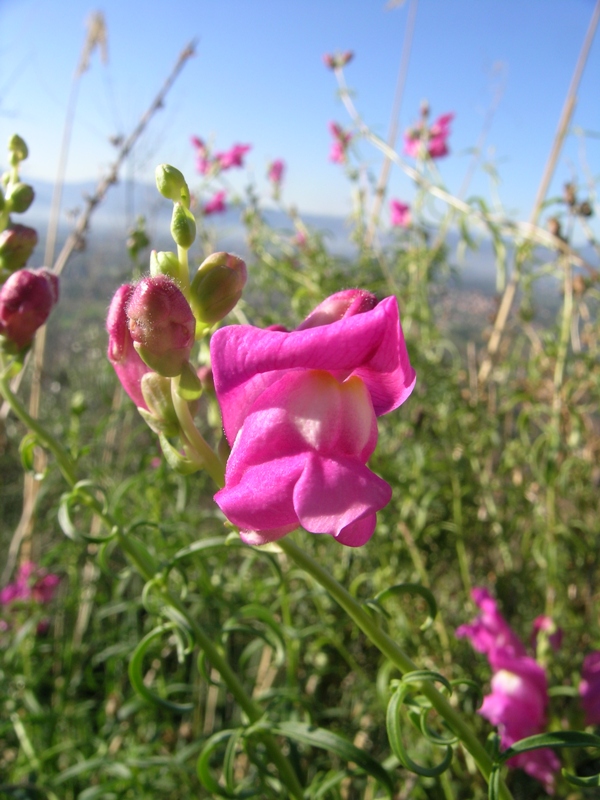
point(583, 209)
point(428, 141)
point(338, 60)
point(341, 142)
point(153, 324)
point(27, 296)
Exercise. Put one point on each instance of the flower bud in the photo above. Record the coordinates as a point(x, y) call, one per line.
point(161, 324)
point(183, 226)
point(172, 185)
point(217, 286)
point(122, 354)
point(17, 243)
point(18, 149)
point(26, 300)
point(161, 416)
point(343, 304)
point(165, 263)
point(20, 197)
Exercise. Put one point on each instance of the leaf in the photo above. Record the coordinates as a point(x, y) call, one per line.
point(412, 589)
point(332, 742)
point(137, 679)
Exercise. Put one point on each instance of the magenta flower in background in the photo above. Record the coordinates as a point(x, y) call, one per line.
point(517, 706)
point(233, 157)
point(216, 205)
point(32, 583)
point(589, 688)
point(400, 214)
point(299, 410)
point(122, 354)
point(276, 170)
point(519, 697)
point(341, 142)
point(546, 624)
point(26, 300)
point(422, 140)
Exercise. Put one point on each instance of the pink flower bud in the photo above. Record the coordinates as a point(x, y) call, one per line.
point(26, 300)
point(276, 170)
point(122, 354)
point(399, 214)
point(343, 304)
point(17, 243)
point(161, 324)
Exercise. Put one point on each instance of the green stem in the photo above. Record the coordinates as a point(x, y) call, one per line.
point(390, 650)
point(211, 462)
point(63, 459)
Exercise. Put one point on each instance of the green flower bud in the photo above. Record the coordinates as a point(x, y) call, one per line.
point(20, 197)
point(171, 184)
point(217, 286)
point(18, 149)
point(165, 263)
point(17, 243)
point(161, 416)
point(183, 226)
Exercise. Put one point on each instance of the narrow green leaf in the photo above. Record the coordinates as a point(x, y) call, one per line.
point(412, 589)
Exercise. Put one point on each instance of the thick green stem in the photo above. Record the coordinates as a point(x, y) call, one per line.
point(390, 650)
point(211, 462)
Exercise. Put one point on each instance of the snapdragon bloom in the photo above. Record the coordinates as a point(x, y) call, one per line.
point(233, 157)
point(519, 697)
point(203, 162)
point(589, 688)
point(432, 141)
point(32, 583)
point(299, 410)
point(276, 170)
point(341, 142)
point(216, 205)
point(121, 353)
point(399, 214)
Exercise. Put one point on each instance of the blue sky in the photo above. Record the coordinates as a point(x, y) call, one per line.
point(258, 78)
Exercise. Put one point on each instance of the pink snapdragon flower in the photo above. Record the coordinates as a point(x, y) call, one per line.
point(432, 141)
point(234, 157)
point(121, 353)
point(517, 706)
point(32, 583)
point(589, 688)
point(341, 142)
point(26, 300)
point(203, 162)
point(546, 625)
point(519, 697)
point(299, 410)
point(216, 205)
point(276, 170)
point(400, 214)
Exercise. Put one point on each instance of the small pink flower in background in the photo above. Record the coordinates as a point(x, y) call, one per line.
point(32, 583)
point(589, 688)
point(233, 157)
point(203, 162)
point(546, 625)
point(519, 697)
point(517, 706)
point(300, 239)
point(490, 633)
point(26, 300)
point(337, 60)
point(400, 214)
point(216, 205)
point(341, 142)
point(421, 140)
point(122, 354)
point(299, 410)
point(276, 170)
